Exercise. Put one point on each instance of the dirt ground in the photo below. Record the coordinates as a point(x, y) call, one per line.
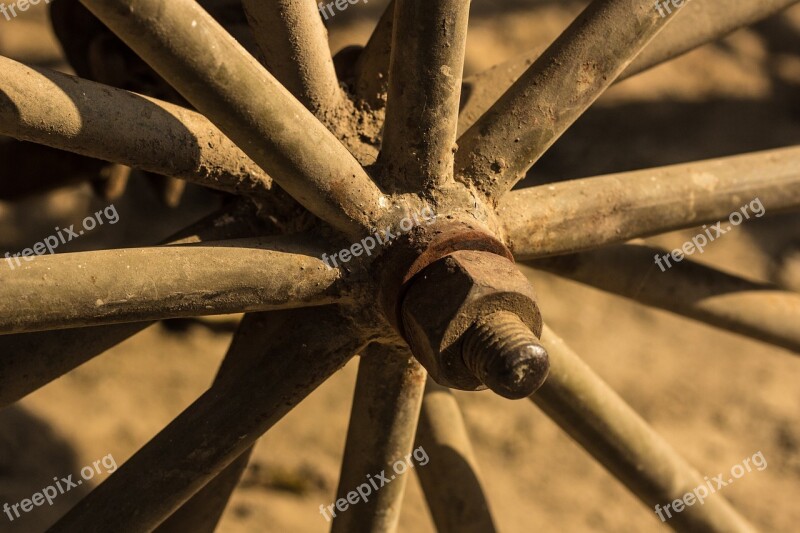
point(716, 397)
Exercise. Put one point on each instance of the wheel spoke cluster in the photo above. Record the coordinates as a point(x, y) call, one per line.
point(292, 120)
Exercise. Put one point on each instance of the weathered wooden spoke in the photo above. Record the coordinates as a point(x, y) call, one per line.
point(216, 75)
point(496, 151)
point(418, 140)
point(448, 288)
point(696, 24)
point(600, 421)
point(76, 115)
point(451, 479)
point(618, 207)
point(85, 289)
point(688, 288)
point(32, 360)
point(380, 436)
point(275, 360)
point(371, 74)
point(294, 42)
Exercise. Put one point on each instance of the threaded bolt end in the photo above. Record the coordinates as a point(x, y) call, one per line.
point(505, 355)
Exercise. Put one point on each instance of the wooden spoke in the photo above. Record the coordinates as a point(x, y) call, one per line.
point(202, 513)
point(687, 288)
point(578, 67)
point(451, 479)
point(86, 289)
point(76, 115)
point(600, 421)
point(696, 24)
point(275, 361)
point(29, 361)
point(587, 213)
point(216, 75)
point(419, 140)
point(372, 66)
point(381, 434)
point(294, 42)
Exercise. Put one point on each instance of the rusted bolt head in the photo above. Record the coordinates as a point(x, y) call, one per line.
point(446, 299)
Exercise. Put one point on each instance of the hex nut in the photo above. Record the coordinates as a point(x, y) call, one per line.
point(444, 300)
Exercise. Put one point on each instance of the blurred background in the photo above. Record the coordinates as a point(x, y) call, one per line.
point(716, 397)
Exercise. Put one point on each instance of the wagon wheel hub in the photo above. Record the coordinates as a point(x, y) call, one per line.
point(271, 121)
point(452, 291)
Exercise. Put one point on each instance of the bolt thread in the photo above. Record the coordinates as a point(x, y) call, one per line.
point(505, 355)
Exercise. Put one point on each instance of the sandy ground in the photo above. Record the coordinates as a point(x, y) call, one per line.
point(716, 397)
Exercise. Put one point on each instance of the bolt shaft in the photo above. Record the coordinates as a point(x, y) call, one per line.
point(505, 355)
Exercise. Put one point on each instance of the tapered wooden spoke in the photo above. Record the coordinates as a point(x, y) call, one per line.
point(699, 23)
point(202, 513)
point(696, 24)
point(451, 479)
point(600, 421)
point(217, 76)
point(480, 91)
point(275, 360)
point(578, 67)
point(687, 288)
point(29, 361)
point(372, 66)
point(130, 285)
point(587, 213)
point(379, 440)
point(294, 42)
point(424, 92)
point(76, 115)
